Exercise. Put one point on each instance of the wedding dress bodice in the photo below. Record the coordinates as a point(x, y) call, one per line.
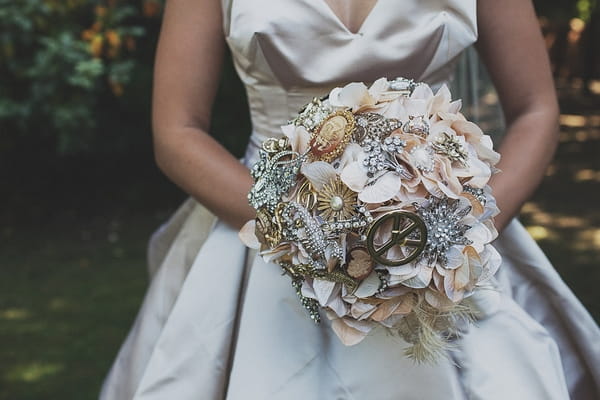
point(289, 51)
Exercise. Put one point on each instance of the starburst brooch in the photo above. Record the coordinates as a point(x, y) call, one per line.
point(336, 201)
point(444, 227)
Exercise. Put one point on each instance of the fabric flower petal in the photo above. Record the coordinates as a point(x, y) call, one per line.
point(354, 176)
point(323, 290)
point(318, 173)
point(247, 235)
point(378, 87)
point(386, 187)
point(353, 95)
point(298, 137)
point(348, 335)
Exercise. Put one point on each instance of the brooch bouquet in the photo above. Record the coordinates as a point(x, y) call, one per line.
point(375, 201)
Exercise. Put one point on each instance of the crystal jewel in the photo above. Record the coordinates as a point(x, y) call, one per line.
point(374, 126)
point(478, 193)
point(382, 156)
point(403, 85)
point(313, 114)
point(273, 177)
point(417, 125)
point(444, 227)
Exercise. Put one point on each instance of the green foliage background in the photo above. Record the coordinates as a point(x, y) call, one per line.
point(67, 88)
point(63, 77)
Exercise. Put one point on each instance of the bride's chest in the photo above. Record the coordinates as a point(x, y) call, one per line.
point(304, 41)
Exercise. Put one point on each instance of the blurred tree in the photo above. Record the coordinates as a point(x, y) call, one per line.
point(585, 9)
point(64, 66)
point(557, 10)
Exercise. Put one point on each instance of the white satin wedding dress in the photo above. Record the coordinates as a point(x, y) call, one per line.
point(219, 323)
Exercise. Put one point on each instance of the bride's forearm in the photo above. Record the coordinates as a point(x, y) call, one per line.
point(186, 77)
point(511, 45)
point(205, 170)
point(526, 152)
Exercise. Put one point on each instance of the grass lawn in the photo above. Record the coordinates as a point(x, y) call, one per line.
point(73, 242)
point(73, 273)
point(68, 296)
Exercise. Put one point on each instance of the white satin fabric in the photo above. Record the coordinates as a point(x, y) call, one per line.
point(217, 322)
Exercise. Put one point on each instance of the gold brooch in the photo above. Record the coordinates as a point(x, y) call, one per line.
point(331, 136)
point(268, 228)
point(408, 231)
point(336, 201)
point(306, 195)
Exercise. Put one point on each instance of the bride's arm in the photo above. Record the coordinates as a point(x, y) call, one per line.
point(511, 46)
point(188, 64)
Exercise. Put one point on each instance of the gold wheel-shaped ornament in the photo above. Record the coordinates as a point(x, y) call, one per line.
point(408, 231)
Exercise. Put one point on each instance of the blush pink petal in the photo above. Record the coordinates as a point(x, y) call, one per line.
point(323, 290)
point(421, 280)
point(378, 87)
point(437, 300)
point(439, 127)
point(385, 309)
point(348, 335)
point(298, 137)
point(318, 173)
point(492, 260)
point(396, 109)
point(354, 176)
point(441, 100)
point(369, 286)
point(353, 152)
point(432, 186)
point(417, 107)
point(468, 129)
point(485, 151)
point(422, 92)
point(247, 235)
point(454, 107)
point(353, 95)
point(452, 294)
point(386, 187)
point(480, 236)
point(360, 310)
point(362, 326)
point(455, 258)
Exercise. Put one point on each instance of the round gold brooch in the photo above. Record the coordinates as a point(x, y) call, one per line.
point(406, 230)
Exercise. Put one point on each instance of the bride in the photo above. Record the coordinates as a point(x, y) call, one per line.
point(217, 322)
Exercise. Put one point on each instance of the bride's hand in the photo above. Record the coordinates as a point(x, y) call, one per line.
point(511, 46)
point(188, 65)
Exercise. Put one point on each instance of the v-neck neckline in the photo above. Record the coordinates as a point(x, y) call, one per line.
point(341, 23)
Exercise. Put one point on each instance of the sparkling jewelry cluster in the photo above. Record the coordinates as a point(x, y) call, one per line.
point(375, 201)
